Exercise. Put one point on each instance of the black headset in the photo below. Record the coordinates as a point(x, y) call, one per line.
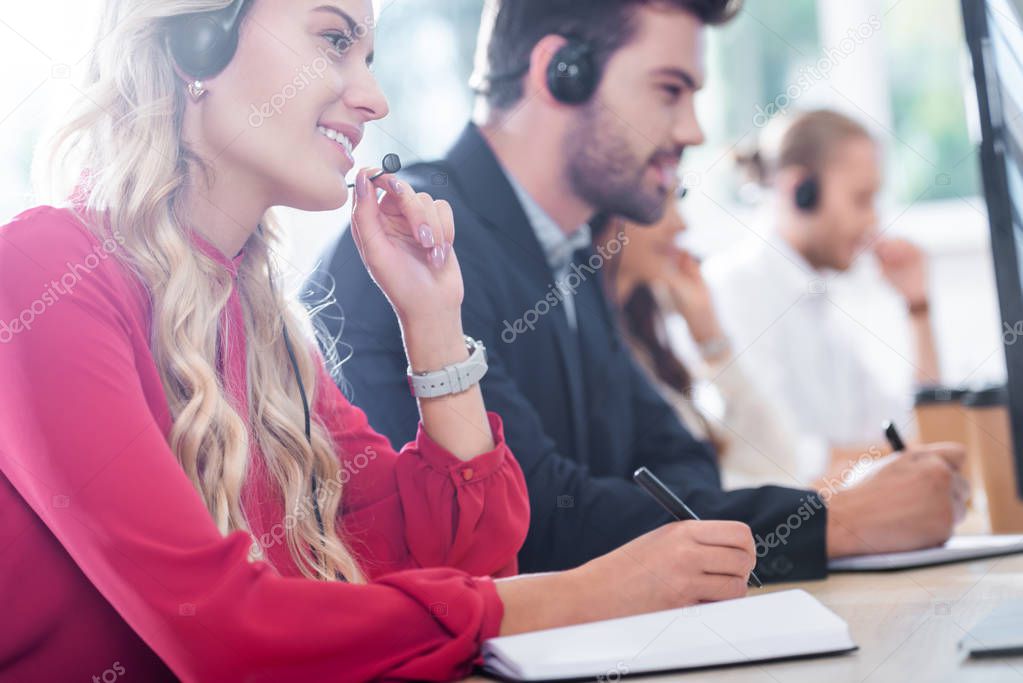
point(203, 43)
point(572, 74)
point(308, 425)
point(808, 193)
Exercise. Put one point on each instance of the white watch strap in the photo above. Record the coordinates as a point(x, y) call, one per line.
point(453, 379)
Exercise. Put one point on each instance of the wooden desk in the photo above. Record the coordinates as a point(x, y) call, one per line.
point(907, 624)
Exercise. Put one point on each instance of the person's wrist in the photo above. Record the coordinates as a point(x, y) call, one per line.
point(710, 339)
point(841, 539)
point(433, 344)
point(704, 332)
point(715, 350)
point(577, 585)
point(919, 308)
point(534, 602)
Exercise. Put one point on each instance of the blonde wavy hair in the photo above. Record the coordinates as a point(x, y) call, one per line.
point(123, 138)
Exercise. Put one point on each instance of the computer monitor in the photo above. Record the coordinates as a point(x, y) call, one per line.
point(995, 38)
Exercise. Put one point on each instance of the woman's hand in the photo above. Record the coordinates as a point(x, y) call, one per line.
point(405, 239)
point(691, 297)
point(678, 564)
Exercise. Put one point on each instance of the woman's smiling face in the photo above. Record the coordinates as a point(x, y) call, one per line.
point(284, 116)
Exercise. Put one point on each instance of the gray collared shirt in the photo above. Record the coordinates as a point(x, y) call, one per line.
point(558, 247)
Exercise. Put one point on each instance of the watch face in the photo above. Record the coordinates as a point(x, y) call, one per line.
point(482, 349)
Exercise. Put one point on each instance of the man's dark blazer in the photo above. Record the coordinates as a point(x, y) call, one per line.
point(578, 414)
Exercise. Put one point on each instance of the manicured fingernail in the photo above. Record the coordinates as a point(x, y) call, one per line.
point(397, 186)
point(361, 186)
point(438, 257)
point(426, 236)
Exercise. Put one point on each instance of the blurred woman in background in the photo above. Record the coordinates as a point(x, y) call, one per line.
point(653, 281)
point(657, 285)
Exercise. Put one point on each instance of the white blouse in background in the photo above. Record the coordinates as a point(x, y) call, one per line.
point(800, 349)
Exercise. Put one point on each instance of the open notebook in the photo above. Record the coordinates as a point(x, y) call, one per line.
point(958, 549)
point(779, 625)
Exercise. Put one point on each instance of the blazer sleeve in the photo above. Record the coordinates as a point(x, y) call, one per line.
point(788, 524)
point(422, 506)
point(74, 423)
point(578, 514)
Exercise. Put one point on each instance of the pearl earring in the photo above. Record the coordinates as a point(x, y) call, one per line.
point(196, 89)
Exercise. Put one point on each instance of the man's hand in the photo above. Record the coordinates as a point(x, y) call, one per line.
point(904, 266)
point(912, 502)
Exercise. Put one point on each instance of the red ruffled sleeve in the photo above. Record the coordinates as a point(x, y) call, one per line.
point(423, 507)
point(128, 540)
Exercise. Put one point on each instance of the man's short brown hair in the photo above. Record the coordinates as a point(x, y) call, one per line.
point(605, 25)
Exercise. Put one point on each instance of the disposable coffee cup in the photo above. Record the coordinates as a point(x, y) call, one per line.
point(989, 442)
point(940, 416)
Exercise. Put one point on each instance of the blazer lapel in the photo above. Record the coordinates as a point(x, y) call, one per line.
point(484, 187)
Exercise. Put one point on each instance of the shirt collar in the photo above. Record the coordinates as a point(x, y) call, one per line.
point(793, 271)
point(558, 247)
point(231, 264)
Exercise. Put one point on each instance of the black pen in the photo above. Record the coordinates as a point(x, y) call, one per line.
point(892, 434)
point(674, 505)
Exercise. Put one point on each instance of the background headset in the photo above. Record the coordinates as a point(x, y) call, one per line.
point(807, 194)
point(572, 74)
point(572, 78)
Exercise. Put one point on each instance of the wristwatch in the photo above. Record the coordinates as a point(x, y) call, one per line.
point(715, 348)
point(453, 379)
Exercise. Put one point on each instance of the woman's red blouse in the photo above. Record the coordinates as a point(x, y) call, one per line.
point(111, 563)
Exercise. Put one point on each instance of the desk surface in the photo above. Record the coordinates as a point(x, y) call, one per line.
point(907, 624)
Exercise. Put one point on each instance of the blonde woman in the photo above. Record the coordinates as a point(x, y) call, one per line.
point(185, 494)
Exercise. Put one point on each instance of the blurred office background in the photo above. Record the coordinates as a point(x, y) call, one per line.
point(899, 66)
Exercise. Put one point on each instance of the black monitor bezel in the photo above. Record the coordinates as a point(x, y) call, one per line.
point(999, 207)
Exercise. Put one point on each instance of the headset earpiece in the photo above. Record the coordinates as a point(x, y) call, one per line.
point(572, 74)
point(807, 194)
point(203, 43)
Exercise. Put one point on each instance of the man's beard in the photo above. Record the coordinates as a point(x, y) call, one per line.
point(604, 172)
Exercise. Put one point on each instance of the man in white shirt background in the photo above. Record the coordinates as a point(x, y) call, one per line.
point(773, 298)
